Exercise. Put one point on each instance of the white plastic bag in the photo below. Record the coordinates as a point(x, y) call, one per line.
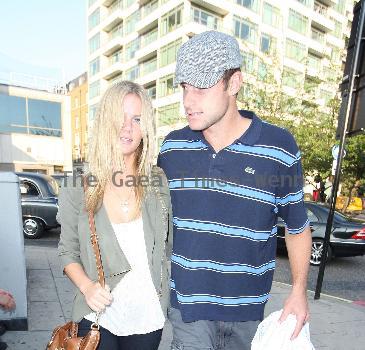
point(271, 335)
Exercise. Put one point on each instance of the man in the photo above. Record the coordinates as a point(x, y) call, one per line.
point(230, 175)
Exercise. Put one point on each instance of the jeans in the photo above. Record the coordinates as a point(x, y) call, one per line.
point(109, 341)
point(210, 335)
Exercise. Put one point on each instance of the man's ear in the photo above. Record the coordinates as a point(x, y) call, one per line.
point(235, 83)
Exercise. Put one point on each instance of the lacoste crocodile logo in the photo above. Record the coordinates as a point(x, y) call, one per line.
point(250, 170)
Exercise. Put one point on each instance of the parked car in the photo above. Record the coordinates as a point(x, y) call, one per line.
point(39, 203)
point(347, 236)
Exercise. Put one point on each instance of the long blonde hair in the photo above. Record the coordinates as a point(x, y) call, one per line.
point(104, 154)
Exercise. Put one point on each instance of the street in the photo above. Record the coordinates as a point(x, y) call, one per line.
point(344, 277)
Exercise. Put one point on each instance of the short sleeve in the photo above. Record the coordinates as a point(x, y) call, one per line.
point(289, 194)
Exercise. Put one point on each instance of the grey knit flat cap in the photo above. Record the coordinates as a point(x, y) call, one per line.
point(202, 61)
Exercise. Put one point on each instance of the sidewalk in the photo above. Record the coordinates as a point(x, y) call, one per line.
point(335, 324)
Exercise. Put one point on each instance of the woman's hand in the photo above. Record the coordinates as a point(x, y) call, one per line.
point(96, 296)
point(7, 301)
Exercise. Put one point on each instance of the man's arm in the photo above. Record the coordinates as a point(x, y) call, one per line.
point(299, 251)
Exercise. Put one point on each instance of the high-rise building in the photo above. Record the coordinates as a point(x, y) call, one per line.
point(78, 92)
point(138, 40)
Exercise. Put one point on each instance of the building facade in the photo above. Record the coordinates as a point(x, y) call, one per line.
point(78, 92)
point(35, 130)
point(138, 40)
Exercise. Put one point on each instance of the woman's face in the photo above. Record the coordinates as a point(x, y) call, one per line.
point(130, 135)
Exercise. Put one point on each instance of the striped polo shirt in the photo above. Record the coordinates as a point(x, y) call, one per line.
point(225, 209)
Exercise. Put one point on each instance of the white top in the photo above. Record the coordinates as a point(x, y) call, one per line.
point(135, 308)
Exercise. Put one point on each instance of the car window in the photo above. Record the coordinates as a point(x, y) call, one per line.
point(311, 216)
point(53, 186)
point(27, 188)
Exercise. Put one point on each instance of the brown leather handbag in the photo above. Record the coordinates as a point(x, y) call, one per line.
point(65, 337)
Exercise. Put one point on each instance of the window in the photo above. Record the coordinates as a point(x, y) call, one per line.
point(335, 55)
point(317, 35)
point(168, 115)
point(92, 112)
point(25, 115)
point(310, 85)
point(267, 43)
point(116, 57)
point(13, 116)
point(340, 6)
point(291, 77)
point(250, 4)
point(94, 19)
point(44, 117)
point(149, 7)
point(307, 3)
point(166, 86)
point(271, 15)
point(116, 32)
point(149, 37)
point(171, 20)
point(245, 30)
point(132, 73)
point(131, 21)
point(151, 91)
point(94, 89)
point(314, 62)
point(168, 53)
point(94, 43)
point(261, 71)
point(295, 50)
point(298, 22)
point(131, 49)
point(28, 188)
point(337, 32)
point(149, 66)
point(248, 60)
point(205, 18)
point(94, 67)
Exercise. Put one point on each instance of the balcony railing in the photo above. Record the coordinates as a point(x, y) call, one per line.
point(320, 8)
point(149, 67)
point(149, 37)
point(117, 57)
point(116, 32)
point(149, 8)
point(205, 18)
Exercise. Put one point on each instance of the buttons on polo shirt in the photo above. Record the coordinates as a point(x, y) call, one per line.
point(214, 155)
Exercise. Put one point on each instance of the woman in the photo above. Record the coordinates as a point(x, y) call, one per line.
point(132, 211)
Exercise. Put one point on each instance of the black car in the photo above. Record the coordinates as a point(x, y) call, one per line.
point(39, 203)
point(347, 236)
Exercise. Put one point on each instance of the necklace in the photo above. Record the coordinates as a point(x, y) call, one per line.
point(125, 202)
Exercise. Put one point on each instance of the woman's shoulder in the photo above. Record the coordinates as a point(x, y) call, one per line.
point(72, 187)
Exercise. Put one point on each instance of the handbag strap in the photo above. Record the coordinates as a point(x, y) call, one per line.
point(94, 241)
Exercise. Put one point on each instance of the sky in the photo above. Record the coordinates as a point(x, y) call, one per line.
point(46, 38)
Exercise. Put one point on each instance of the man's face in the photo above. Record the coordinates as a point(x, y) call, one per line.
point(205, 107)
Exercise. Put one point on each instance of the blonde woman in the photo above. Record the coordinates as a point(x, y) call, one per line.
point(131, 204)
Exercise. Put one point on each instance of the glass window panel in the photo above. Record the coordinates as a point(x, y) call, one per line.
point(94, 89)
point(271, 15)
point(94, 66)
point(297, 22)
point(94, 19)
point(12, 112)
point(44, 114)
point(94, 43)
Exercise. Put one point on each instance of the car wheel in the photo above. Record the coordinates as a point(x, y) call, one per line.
point(32, 228)
point(317, 252)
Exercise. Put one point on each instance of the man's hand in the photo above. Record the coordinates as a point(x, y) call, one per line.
point(297, 305)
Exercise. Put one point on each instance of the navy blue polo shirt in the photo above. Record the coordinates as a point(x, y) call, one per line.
point(225, 208)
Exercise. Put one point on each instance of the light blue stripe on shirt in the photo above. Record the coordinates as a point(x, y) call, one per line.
point(221, 267)
point(267, 152)
point(182, 145)
point(222, 229)
point(222, 186)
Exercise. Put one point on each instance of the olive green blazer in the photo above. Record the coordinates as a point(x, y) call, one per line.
point(75, 245)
